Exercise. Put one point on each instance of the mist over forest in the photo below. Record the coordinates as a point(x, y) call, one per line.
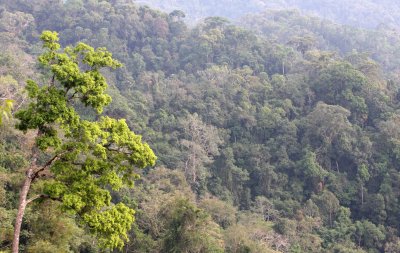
point(199, 126)
point(368, 14)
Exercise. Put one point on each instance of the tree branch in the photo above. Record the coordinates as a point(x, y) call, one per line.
point(48, 164)
point(118, 149)
point(52, 82)
point(41, 196)
point(72, 96)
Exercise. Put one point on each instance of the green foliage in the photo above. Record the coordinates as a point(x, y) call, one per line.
point(221, 212)
point(51, 230)
point(5, 109)
point(111, 225)
point(6, 232)
point(369, 235)
point(190, 230)
point(297, 138)
point(363, 173)
point(311, 167)
point(91, 156)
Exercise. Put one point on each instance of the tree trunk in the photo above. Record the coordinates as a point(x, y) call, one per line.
point(21, 209)
point(362, 194)
point(23, 195)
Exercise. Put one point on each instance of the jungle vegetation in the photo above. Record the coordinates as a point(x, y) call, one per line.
point(275, 134)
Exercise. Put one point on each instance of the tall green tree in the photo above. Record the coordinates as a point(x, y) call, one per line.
point(362, 177)
point(79, 161)
point(190, 230)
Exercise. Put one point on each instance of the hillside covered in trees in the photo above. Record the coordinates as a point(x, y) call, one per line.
point(354, 13)
point(278, 135)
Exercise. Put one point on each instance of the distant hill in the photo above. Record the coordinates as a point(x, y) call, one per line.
point(290, 27)
point(359, 13)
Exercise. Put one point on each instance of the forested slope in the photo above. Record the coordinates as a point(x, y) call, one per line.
point(310, 32)
point(359, 13)
point(267, 143)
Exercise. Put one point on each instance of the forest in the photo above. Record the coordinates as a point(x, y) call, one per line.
point(124, 128)
point(353, 13)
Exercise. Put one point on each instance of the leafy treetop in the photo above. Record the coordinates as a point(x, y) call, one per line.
point(88, 158)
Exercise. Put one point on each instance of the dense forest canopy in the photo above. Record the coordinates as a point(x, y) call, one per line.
point(310, 32)
point(278, 135)
point(359, 13)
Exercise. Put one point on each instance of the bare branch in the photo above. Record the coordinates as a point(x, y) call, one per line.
point(48, 164)
point(72, 96)
point(41, 196)
point(53, 78)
